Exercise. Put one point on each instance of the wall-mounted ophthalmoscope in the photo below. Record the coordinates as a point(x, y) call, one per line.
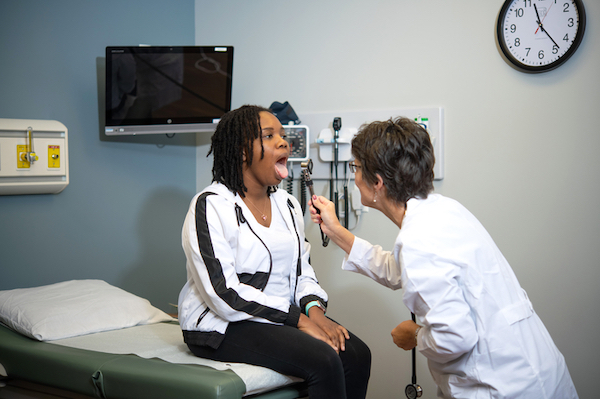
point(306, 172)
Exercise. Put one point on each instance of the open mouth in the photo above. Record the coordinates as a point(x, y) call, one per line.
point(281, 167)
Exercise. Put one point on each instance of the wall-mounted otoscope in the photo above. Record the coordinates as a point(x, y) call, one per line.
point(337, 126)
point(306, 171)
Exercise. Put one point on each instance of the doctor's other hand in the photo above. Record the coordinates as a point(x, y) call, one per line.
point(404, 335)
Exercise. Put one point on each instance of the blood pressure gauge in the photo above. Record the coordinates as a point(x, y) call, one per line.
point(297, 137)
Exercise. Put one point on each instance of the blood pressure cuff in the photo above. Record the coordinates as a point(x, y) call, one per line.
point(284, 112)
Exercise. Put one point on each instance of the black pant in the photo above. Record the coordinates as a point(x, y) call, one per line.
point(292, 352)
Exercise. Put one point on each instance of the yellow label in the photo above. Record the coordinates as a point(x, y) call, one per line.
point(54, 156)
point(22, 162)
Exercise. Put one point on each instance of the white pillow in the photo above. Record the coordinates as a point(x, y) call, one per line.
point(73, 308)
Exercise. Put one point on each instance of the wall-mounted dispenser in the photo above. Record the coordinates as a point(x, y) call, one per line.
point(34, 157)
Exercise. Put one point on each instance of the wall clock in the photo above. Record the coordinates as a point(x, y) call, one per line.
point(540, 35)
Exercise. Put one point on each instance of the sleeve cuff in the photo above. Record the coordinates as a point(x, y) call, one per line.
point(356, 254)
point(293, 316)
point(309, 298)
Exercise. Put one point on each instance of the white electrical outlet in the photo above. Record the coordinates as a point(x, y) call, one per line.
point(357, 205)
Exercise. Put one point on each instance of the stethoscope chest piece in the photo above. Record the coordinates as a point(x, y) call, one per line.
point(413, 391)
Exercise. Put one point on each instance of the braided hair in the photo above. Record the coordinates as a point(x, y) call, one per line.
point(232, 141)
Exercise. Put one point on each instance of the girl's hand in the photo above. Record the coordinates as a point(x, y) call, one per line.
point(337, 333)
point(308, 326)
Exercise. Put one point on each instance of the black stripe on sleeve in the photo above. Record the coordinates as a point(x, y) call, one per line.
point(258, 280)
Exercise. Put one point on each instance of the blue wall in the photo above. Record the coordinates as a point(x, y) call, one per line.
point(120, 217)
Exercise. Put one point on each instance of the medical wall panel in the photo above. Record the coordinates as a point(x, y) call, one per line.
point(34, 157)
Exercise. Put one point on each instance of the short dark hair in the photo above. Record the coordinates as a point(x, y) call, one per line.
point(400, 151)
point(234, 138)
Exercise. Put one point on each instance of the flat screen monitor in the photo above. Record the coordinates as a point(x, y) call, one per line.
point(167, 89)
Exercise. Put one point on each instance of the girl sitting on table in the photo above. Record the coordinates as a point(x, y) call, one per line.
point(251, 295)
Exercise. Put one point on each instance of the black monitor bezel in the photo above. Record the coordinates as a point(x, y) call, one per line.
point(161, 125)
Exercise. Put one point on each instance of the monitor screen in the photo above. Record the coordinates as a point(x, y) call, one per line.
point(167, 89)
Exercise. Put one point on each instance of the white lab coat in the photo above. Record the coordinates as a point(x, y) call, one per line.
point(480, 333)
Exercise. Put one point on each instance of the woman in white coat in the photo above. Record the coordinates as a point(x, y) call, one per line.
point(477, 328)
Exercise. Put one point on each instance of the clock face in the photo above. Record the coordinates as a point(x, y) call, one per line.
point(540, 35)
point(297, 137)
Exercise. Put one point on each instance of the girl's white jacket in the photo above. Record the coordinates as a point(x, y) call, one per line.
point(228, 267)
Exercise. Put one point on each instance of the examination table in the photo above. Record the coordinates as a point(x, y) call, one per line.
point(147, 359)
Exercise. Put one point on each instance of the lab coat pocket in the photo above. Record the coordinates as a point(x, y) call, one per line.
point(465, 386)
point(518, 311)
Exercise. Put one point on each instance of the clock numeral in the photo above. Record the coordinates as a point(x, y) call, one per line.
point(534, 43)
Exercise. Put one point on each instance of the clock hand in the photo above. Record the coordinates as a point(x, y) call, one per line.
point(544, 30)
point(541, 26)
point(538, 16)
point(542, 21)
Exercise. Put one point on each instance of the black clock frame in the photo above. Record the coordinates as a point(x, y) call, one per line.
point(542, 68)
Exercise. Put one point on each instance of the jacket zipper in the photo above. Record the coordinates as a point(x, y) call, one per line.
point(299, 261)
point(242, 219)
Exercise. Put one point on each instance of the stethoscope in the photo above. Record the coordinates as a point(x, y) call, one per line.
point(414, 390)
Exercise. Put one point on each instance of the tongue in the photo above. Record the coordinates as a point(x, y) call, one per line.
point(281, 170)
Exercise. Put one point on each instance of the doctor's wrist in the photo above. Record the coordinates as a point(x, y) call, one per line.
point(417, 335)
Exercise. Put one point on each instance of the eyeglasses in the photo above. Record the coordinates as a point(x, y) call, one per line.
point(353, 166)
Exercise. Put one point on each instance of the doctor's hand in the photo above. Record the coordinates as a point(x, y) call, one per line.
point(322, 212)
point(306, 325)
point(404, 335)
